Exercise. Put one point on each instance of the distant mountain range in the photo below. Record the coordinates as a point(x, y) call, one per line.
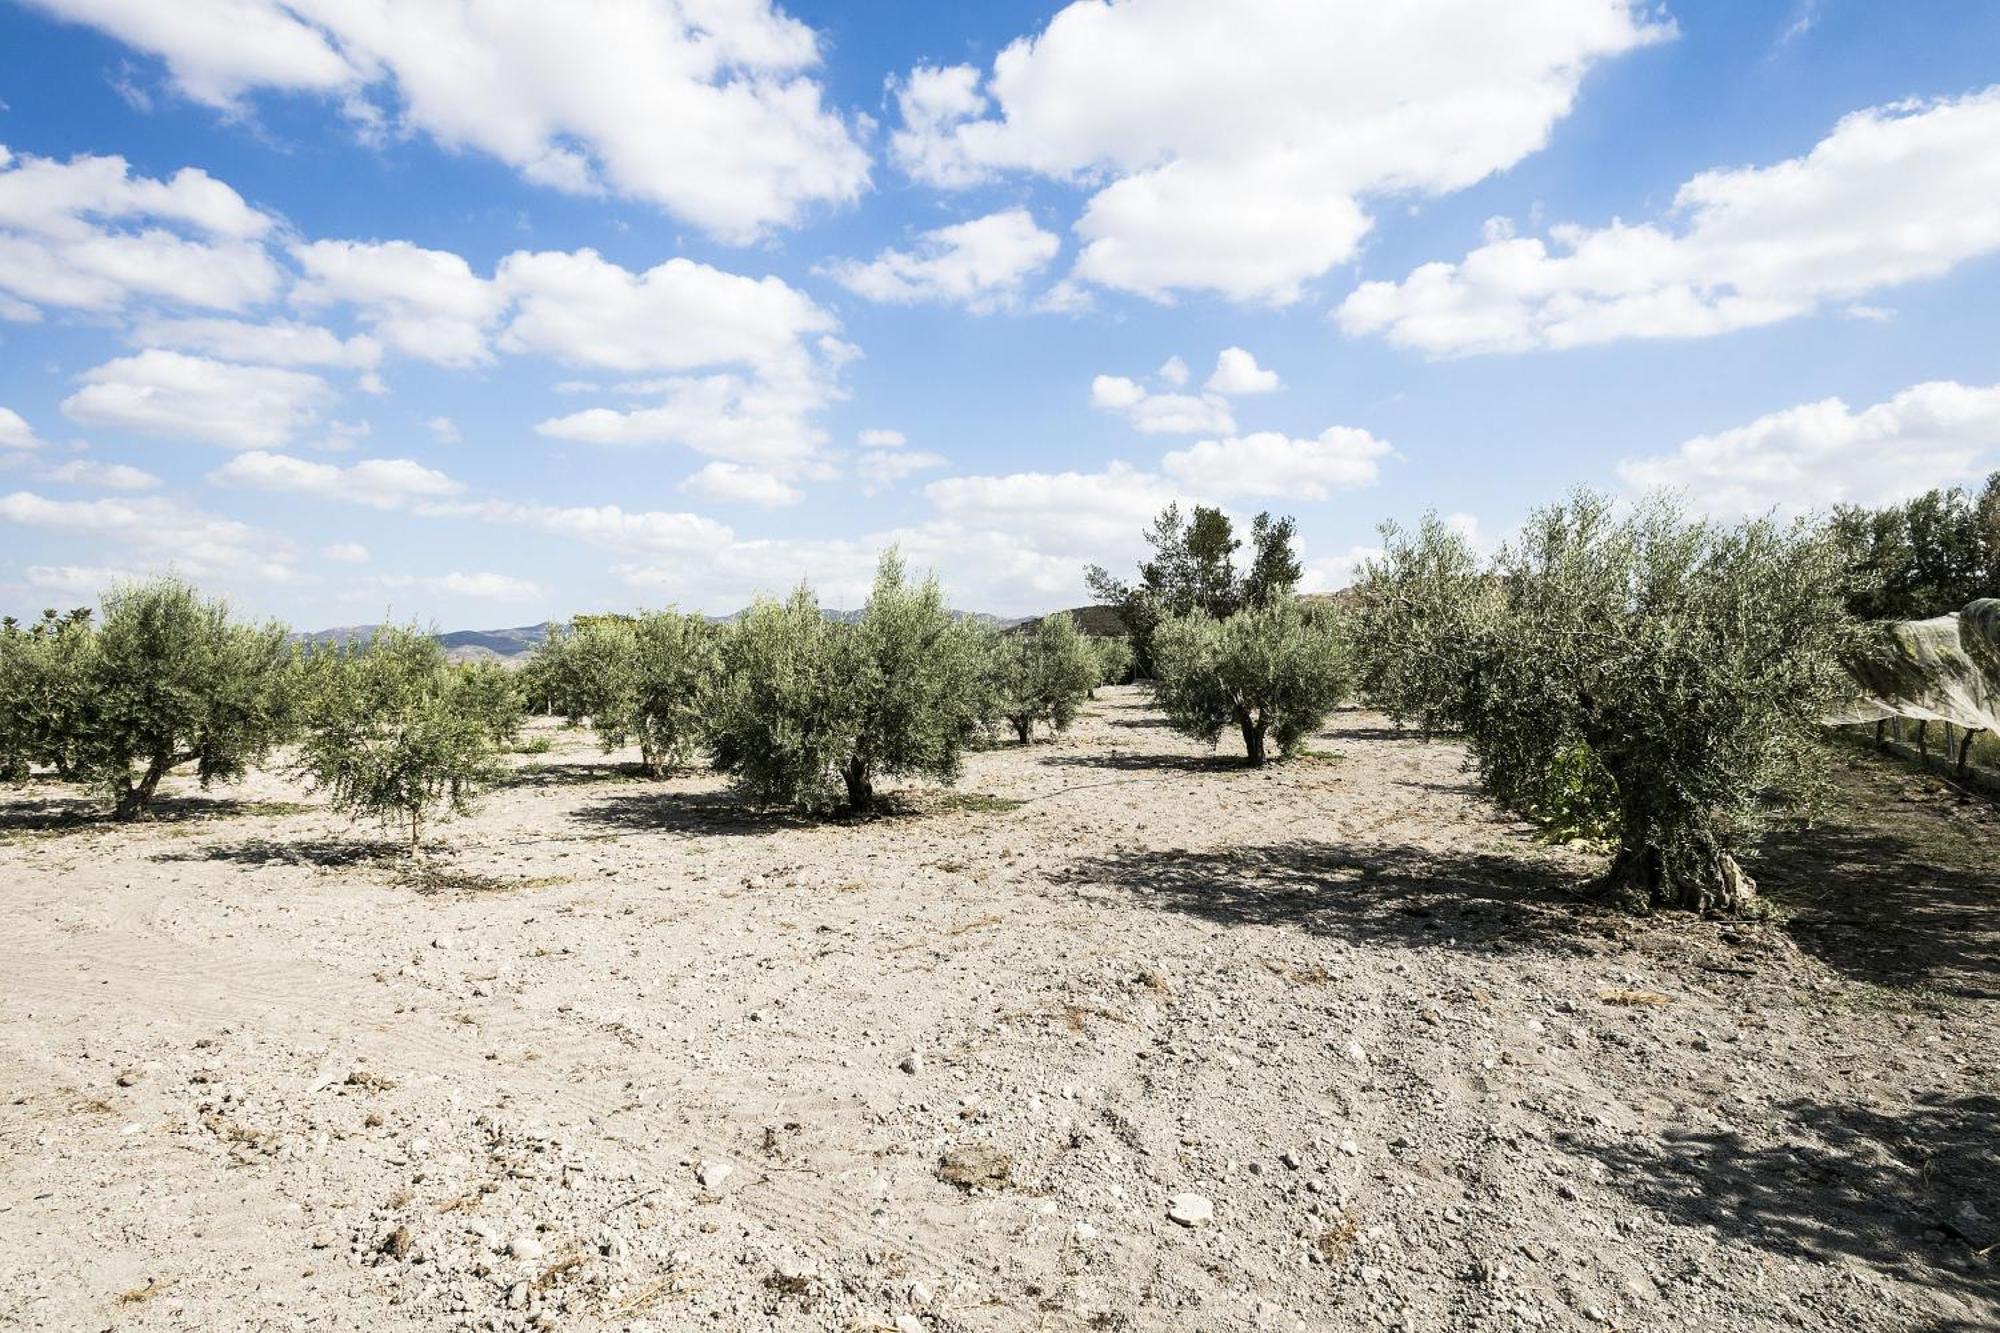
point(460, 645)
point(503, 645)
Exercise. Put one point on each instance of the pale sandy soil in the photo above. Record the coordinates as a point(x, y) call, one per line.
point(252, 1076)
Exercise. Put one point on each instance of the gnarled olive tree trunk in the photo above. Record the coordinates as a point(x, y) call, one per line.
point(137, 797)
point(1703, 879)
point(860, 785)
point(1252, 727)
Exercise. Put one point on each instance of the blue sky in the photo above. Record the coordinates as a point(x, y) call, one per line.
point(481, 313)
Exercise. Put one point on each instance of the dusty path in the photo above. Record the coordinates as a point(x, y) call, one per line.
point(253, 1078)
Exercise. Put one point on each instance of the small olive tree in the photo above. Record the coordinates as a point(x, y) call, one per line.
point(585, 670)
point(918, 684)
point(808, 710)
point(492, 694)
point(395, 732)
point(1415, 609)
point(782, 718)
point(1042, 675)
point(1657, 675)
point(1114, 659)
point(46, 693)
point(644, 681)
point(174, 680)
point(1273, 672)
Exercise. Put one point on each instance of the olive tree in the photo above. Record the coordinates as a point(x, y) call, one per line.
point(917, 678)
point(1193, 568)
point(809, 710)
point(1042, 674)
point(783, 716)
point(1272, 672)
point(393, 731)
point(1662, 675)
point(493, 695)
point(45, 693)
point(642, 681)
point(174, 679)
point(1114, 659)
point(1415, 608)
point(584, 671)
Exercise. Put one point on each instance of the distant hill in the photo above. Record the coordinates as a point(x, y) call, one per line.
point(1103, 622)
point(463, 645)
point(513, 645)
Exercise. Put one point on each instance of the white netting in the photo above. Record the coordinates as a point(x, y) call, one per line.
point(1946, 669)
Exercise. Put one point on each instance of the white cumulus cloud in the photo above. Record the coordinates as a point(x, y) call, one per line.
point(481, 585)
point(1891, 195)
point(1161, 413)
point(380, 483)
point(1270, 464)
point(882, 468)
point(1237, 372)
point(1820, 454)
point(278, 342)
point(423, 303)
point(979, 264)
point(1232, 148)
point(87, 234)
point(735, 483)
point(104, 476)
point(706, 108)
point(190, 397)
point(158, 533)
point(15, 432)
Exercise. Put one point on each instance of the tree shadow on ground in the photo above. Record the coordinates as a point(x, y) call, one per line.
point(721, 813)
point(577, 775)
point(1886, 1188)
point(1130, 761)
point(80, 814)
point(1892, 892)
point(1153, 720)
point(1362, 732)
point(1401, 895)
point(1465, 788)
point(335, 853)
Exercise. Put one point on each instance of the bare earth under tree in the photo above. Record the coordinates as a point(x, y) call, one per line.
point(959, 1060)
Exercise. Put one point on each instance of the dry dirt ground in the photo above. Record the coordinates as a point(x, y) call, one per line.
point(631, 1057)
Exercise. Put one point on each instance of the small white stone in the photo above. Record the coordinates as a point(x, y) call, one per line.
point(1190, 1210)
point(912, 1063)
point(920, 1293)
point(909, 1323)
point(524, 1247)
point(1085, 1233)
point(713, 1172)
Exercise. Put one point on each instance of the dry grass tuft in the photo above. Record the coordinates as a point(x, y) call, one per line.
point(977, 1166)
point(965, 928)
point(1635, 999)
point(140, 1295)
point(1337, 1242)
point(1301, 976)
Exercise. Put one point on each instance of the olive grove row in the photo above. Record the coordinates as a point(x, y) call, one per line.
point(1618, 672)
point(803, 710)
